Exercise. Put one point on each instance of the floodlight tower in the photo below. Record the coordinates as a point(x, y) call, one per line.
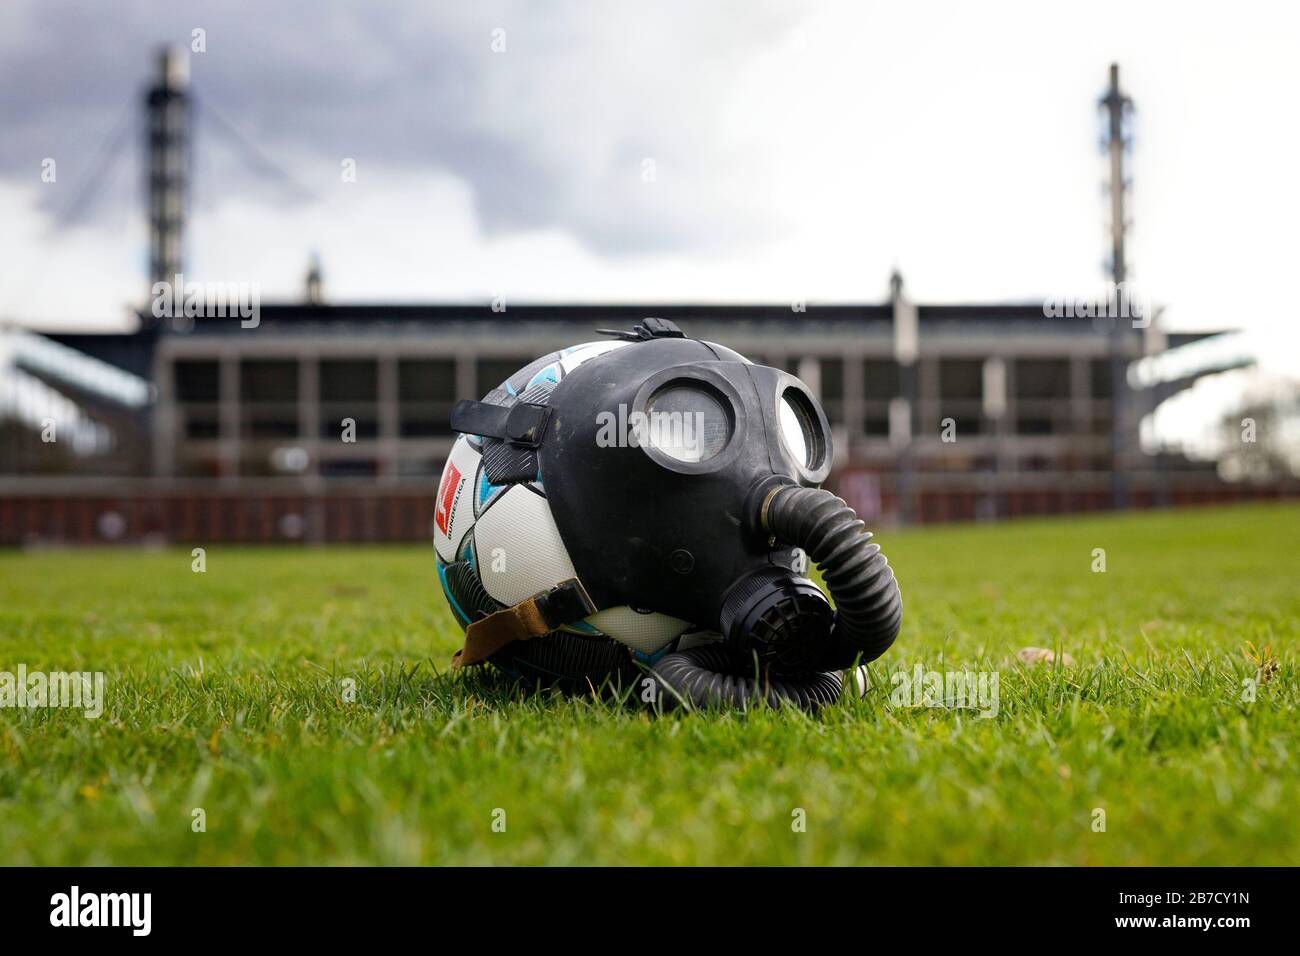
point(1118, 111)
point(167, 142)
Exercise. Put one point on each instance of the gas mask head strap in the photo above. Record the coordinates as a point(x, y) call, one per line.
point(566, 603)
point(521, 424)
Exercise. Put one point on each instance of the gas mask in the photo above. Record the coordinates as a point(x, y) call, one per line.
point(684, 479)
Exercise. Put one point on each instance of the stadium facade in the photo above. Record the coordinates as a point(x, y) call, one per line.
point(330, 422)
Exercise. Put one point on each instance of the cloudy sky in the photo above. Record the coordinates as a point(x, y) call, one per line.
point(798, 151)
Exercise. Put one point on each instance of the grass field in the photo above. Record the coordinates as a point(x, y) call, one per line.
point(225, 692)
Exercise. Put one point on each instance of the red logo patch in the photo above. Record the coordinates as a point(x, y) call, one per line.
point(446, 495)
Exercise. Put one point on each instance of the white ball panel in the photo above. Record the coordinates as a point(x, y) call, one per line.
point(641, 632)
point(531, 558)
point(453, 511)
point(484, 491)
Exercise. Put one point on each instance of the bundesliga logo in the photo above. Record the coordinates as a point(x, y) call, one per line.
point(448, 495)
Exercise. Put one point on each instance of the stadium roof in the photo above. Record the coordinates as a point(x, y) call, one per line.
point(620, 315)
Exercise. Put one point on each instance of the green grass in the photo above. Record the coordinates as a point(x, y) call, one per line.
point(224, 694)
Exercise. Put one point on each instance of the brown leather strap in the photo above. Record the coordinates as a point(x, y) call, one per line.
point(540, 614)
point(486, 636)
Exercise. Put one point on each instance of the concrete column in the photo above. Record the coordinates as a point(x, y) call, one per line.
point(164, 436)
point(228, 415)
point(309, 408)
point(1007, 439)
point(855, 409)
point(808, 371)
point(1080, 395)
point(994, 407)
point(466, 384)
point(389, 426)
point(927, 390)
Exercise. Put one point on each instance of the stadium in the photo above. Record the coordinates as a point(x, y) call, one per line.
point(210, 424)
point(219, 519)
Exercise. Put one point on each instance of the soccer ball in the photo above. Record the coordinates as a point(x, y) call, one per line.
point(498, 545)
